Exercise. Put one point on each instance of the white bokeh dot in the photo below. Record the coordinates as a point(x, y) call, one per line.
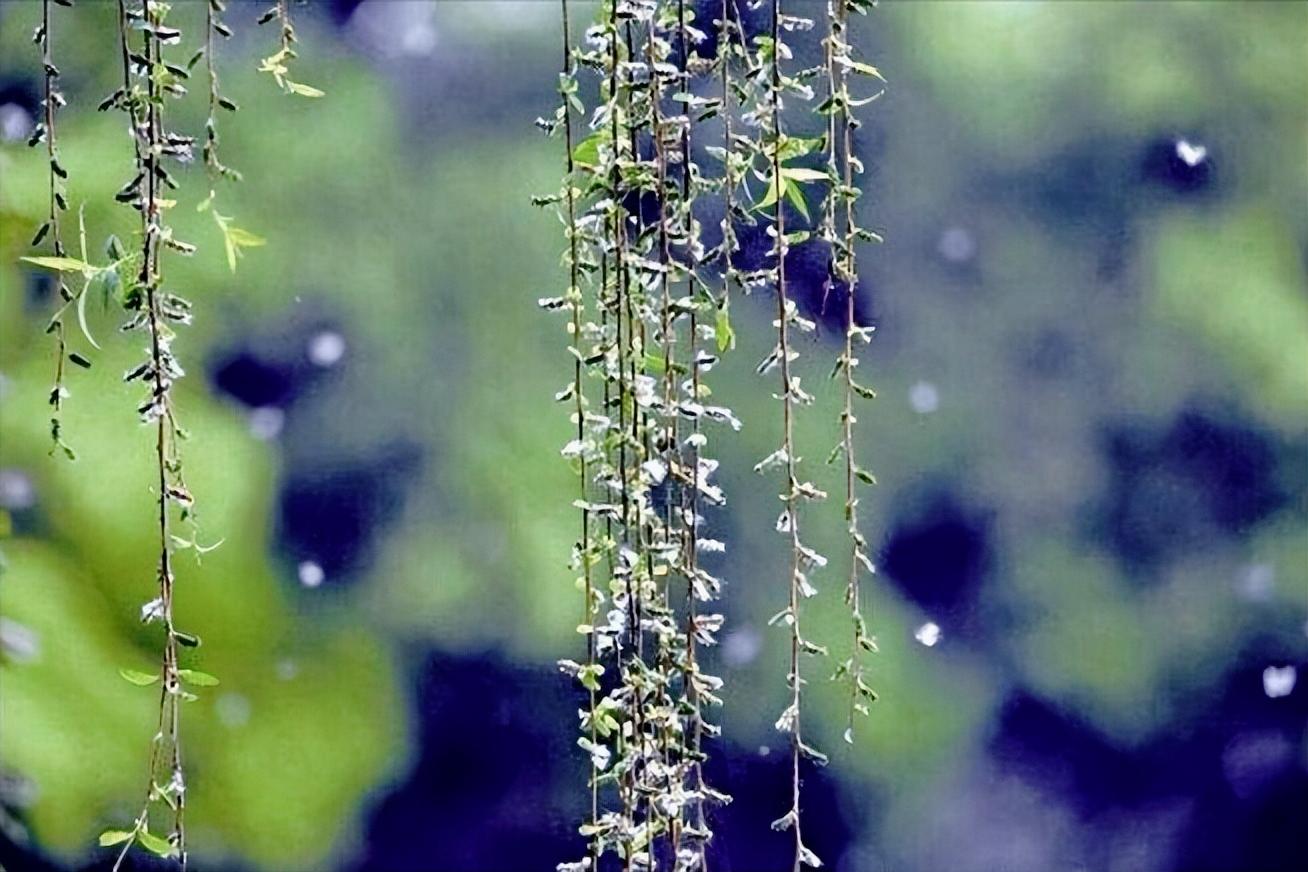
point(924, 398)
point(956, 245)
point(742, 646)
point(1256, 582)
point(928, 634)
point(1191, 153)
point(233, 710)
point(16, 490)
point(266, 422)
point(15, 123)
point(311, 574)
point(1279, 681)
point(326, 348)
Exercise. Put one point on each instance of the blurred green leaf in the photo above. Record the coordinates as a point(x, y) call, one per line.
point(302, 89)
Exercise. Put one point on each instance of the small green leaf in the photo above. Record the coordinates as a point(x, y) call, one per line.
point(866, 69)
point(589, 676)
point(244, 238)
point(586, 153)
point(804, 174)
point(155, 844)
point(796, 146)
point(108, 282)
point(199, 679)
point(770, 195)
point(796, 197)
point(726, 336)
point(62, 264)
point(302, 89)
point(81, 317)
point(235, 239)
point(114, 837)
point(140, 679)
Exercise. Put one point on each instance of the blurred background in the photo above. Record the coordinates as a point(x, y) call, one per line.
point(1091, 441)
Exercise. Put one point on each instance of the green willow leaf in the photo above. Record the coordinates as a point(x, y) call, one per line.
point(81, 317)
point(196, 677)
point(726, 336)
point(586, 153)
point(804, 174)
point(303, 90)
point(140, 679)
point(61, 264)
point(796, 197)
point(115, 837)
point(156, 845)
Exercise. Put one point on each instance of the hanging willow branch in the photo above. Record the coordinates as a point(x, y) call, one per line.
point(278, 63)
point(46, 131)
point(235, 239)
point(842, 165)
point(629, 205)
point(667, 532)
point(783, 184)
point(135, 278)
point(631, 178)
point(149, 82)
point(633, 239)
point(700, 628)
point(584, 556)
point(216, 169)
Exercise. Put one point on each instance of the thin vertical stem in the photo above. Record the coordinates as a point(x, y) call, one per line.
point(787, 400)
point(844, 268)
point(691, 519)
point(52, 100)
point(579, 410)
point(850, 271)
point(622, 313)
point(150, 277)
point(667, 331)
point(146, 116)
